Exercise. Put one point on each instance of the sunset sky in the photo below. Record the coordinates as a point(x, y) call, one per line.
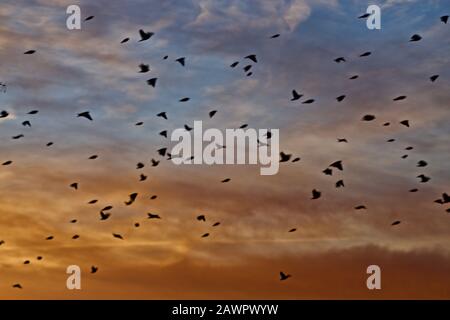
point(89, 69)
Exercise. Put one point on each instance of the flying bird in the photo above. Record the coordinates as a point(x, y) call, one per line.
point(368, 117)
point(163, 133)
point(205, 235)
point(181, 61)
point(354, 77)
point(94, 269)
point(132, 198)
point(342, 140)
point(33, 112)
point(118, 236)
point(143, 68)
point(422, 163)
point(125, 40)
point(17, 285)
point(339, 60)
point(234, 64)
point(340, 184)
point(284, 276)
point(328, 172)
point(216, 224)
point(275, 36)
point(74, 185)
point(316, 194)
point(93, 201)
point(184, 99)
point(292, 230)
point(89, 18)
point(29, 52)
point(152, 82)
point(360, 207)
point(395, 223)
point(145, 35)
point(142, 177)
point(309, 101)
point(364, 16)
point(285, 157)
point(252, 57)
point(7, 163)
point(154, 162)
point(365, 54)
point(153, 216)
point(226, 180)
point(340, 98)
point(26, 123)
point(444, 19)
point(415, 38)
point(337, 165)
point(295, 95)
point(162, 115)
point(423, 178)
point(4, 114)
point(212, 113)
point(201, 218)
point(85, 114)
point(434, 78)
point(399, 98)
point(104, 215)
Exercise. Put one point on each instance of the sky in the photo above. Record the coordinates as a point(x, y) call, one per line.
point(73, 71)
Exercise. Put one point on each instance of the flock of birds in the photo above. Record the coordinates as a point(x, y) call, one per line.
point(251, 59)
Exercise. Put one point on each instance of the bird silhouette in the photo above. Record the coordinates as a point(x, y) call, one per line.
point(364, 16)
point(395, 223)
point(205, 235)
point(234, 64)
point(184, 99)
point(360, 207)
point(118, 236)
point(415, 38)
point(316, 194)
point(339, 60)
point(125, 40)
point(338, 165)
point(252, 57)
point(422, 163)
point(145, 35)
point(226, 180)
point(94, 269)
point(86, 115)
point(212, 113)
point(434, 78)
point(423, 178)
point(29, 52)
point(162, 115)
point(340, 98)
point(340, 184)
point(143, 68)
point(295, 95)
point(284, 276)
point(153, 216)
point(74, 185)
point(89, 18)
point(201, 218)
point(181, 61)
point(399, 98)
point(368, 117)
point(132, 198)
point(152, 82)
point(285, 157)
point(365, 54)
point(444, 19)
